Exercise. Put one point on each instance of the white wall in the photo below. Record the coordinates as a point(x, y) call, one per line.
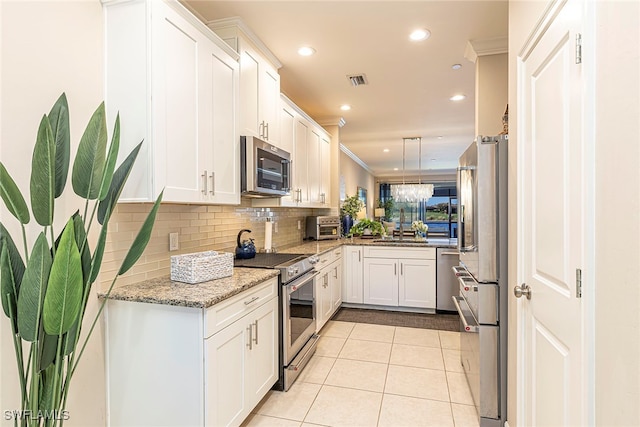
point(615, 47)
point(355, 176)
point(49, 47)
point(491, 93)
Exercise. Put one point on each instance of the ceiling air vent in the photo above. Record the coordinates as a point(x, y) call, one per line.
point(358, 79)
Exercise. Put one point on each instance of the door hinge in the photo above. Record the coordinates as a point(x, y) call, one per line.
point(578, 283)
point(578, 48)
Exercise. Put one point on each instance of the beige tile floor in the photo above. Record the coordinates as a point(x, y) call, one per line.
point(375, 375)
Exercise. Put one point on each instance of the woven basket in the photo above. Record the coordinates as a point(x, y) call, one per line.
point(201, 266)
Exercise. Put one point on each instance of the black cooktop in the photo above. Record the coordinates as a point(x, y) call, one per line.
point(264, 260)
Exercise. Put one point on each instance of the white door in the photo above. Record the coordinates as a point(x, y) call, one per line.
point(352, 285)
point(550, 223)
point(262, 358)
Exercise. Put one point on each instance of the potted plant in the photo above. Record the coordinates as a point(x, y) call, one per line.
point(348, 211)
point(368, 227)
point(45, 289)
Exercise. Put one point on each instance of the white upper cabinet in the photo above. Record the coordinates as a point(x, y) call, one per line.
point(175, 84)
point(259, 80)
point(310, 148)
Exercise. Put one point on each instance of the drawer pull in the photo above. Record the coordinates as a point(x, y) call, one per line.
point(252, 300)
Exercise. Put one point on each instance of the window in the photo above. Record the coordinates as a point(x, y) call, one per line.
point(440, 212)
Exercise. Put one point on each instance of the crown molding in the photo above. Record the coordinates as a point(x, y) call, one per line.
point(356, 159)
point(484, 47)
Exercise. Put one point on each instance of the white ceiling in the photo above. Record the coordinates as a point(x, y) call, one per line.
point(410, 83)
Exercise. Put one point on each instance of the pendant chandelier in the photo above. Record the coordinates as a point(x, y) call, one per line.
point(411, 193)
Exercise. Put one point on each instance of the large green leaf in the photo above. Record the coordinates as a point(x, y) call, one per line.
point(59, 121)
point(98, 254)
point(63, 297)
point(70, 337)
point(141, 240)
point(110, 165)
point(88, 165)
point(43, 174)
point(48, 349)
point(12, 196)
point(81, 238)
point(11, 272)
point(32, 289)
point(106, 206)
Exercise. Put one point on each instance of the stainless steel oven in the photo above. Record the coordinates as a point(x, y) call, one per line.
point(298, 325)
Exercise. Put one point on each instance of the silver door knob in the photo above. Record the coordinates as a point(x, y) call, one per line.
point(525, 290)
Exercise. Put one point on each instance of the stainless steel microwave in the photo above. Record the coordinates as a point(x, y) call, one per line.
point(265, 169)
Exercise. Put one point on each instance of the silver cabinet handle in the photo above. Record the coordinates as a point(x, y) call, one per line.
point(254, 299)
point(335, 272)
point(261, 129)
point(204, 176)
point(395, 269)
point(359, 260)
point(266, 128)
point(256, 338)
point(213, 183)
point(401, 269)
point(449, 253)
point(523, 289)
point(250, 329)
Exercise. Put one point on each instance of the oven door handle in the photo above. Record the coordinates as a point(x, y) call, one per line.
point(293, 286)
point(465, 324)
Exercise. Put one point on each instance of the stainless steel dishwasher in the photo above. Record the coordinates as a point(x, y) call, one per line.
point(446, 282)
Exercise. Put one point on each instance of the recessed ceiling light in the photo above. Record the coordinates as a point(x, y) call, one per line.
point(386, 150)
point(457, 98)
point(456, 66)
point(345, 107)
point(419, 34)
point(395, 169)
point(306, 51)
point(440, 137)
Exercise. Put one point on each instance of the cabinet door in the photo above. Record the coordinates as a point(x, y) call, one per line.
point(223, 176)
point(301, 150)
point(381, 281)
point(179, 158)
point(323, 298)
point(226, 365)
point(262, 358)
point(269, 93)
point(352, 285)
point(287, 137)
point(336, 286)
point(249, 98)
point(417, 287)
point(325, 172)
point(313, 166)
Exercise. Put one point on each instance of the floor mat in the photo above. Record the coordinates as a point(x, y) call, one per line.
point(442, 322)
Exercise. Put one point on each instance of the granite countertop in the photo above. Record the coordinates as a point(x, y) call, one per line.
point(200, 295)
point(313, 247)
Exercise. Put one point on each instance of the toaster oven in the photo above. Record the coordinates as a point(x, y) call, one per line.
point(323, 227)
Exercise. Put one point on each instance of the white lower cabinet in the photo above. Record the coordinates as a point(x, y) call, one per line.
point(241, 365)
point(328, 286)
point(400, 277)
point(178, 366)
point(352, 283)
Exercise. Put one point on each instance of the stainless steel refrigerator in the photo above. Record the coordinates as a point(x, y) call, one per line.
point(482, 274)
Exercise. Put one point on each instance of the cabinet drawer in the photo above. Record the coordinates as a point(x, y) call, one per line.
point(227, 312)
point(328, 257)
point(402, 253)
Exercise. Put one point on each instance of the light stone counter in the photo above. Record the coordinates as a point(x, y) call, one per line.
point(313, 247)
point(202, 295)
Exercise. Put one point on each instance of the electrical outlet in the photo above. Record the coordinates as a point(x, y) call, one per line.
point(275, 227)
point(299, 225)
point(173, 242)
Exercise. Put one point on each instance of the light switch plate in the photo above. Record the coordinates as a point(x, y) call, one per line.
point(299, 225)
point(173, 242)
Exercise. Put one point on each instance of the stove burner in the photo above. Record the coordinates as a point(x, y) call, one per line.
point(264, 260)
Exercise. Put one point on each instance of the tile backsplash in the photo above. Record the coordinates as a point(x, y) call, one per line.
point(200, 228)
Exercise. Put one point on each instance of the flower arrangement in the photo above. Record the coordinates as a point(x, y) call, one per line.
point(419, 226)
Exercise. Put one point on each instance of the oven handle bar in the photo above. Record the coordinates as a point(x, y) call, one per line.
point(293, 286)
point(467, 326)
